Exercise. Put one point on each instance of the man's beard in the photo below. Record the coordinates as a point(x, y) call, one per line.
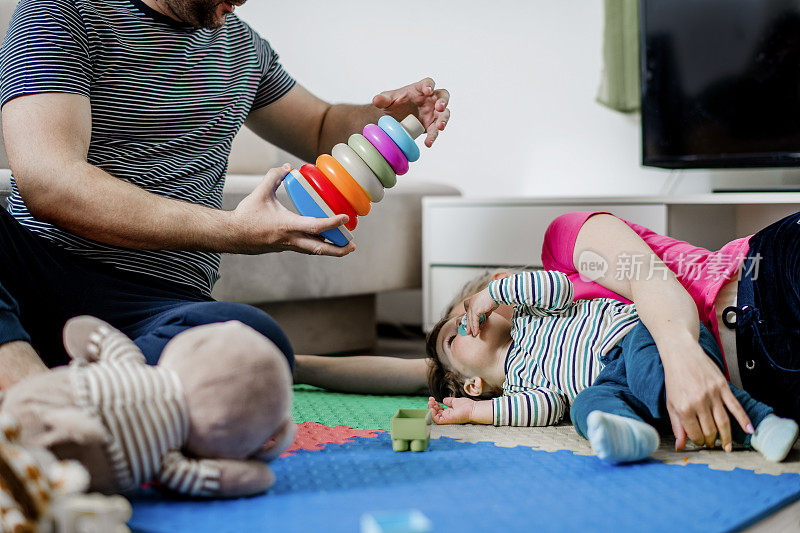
point(198, 13)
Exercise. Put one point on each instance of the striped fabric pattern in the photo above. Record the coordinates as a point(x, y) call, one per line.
point(556, 345)
point(193, 477)
point(166, 102)
point(144, 411)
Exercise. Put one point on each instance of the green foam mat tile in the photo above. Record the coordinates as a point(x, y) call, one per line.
point(361, 411)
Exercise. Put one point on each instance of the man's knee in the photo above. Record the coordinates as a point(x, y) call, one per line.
point(250, 316)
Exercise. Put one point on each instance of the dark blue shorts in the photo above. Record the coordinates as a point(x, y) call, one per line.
point(768, 317)
point(42, 286)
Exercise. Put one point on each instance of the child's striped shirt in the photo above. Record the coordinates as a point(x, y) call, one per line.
point(556, 345)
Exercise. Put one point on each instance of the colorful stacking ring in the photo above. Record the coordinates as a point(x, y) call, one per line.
point(309, 204)
point(374, 160)
point(388, 149)
point(400, 137)
point(330, 194)
point(343, 181)
point(359, 170)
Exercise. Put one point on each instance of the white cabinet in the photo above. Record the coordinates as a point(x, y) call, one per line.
point(463, 238)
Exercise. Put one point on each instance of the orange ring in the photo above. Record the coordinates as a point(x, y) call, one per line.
point(343, 181)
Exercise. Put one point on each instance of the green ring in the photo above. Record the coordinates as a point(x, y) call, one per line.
point(374, 160)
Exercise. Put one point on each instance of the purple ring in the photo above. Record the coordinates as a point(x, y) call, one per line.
point(387, 147)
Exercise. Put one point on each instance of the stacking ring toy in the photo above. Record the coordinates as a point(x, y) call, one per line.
point(400, 137)
point(374, 160)
point(388, 149)
point(355, 175)
point(343, 181)
point(358, 169)
point(309, 203)
point(330, 194)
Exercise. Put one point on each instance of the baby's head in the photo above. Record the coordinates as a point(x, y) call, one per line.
point(463, 365)
point(467, 365)
point(237, 389)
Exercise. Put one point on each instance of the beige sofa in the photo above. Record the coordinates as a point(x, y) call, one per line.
point(325, 304)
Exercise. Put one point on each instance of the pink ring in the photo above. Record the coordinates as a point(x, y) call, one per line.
point(387, 147)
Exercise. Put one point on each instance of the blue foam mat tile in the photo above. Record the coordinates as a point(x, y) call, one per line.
point(480, 487)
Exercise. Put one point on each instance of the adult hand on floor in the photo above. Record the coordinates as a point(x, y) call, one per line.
point(697, 397)
point(264, 225)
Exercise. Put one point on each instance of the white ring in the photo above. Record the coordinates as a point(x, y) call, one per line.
point(356, 167)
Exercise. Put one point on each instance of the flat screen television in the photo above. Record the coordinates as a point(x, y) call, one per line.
point(720, 83)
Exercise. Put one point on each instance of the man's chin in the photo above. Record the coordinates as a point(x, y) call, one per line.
point(217, 24)
point(211, 24)
point(219, 18)
point(210, 20)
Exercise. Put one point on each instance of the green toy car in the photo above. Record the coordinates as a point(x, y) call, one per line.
point(411, 428)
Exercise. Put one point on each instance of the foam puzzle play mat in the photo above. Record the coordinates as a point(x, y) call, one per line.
point(342, 474)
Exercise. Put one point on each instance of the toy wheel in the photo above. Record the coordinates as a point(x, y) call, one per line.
point(419, 445)
point(400, 445)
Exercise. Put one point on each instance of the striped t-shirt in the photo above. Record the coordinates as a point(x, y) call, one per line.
point(556, 345)
point(166, 99)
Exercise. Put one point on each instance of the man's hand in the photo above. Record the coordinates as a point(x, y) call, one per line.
point(18, 360)
point(267, 226)
point(479, 304)
point(697, 398)
point(420, 99)
point(461, 412)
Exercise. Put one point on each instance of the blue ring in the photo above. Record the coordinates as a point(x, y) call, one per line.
point(400, 137)
point(307, 207)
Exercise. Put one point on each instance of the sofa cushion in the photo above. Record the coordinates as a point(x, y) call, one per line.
point(5, 185)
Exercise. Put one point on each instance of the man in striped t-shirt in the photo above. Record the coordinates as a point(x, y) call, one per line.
point(118, 118)
point(595, 355)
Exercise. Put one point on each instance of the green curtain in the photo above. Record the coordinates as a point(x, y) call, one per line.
point(620, 80)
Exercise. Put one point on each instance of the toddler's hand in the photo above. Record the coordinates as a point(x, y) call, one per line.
point(480, 304)
point(461, 412)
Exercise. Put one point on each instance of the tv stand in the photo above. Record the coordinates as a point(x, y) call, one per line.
point(779, 189)
point(465, 236)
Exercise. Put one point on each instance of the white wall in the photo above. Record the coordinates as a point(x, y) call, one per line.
point(523, 76)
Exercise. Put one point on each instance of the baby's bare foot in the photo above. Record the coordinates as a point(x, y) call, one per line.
point(90, 339)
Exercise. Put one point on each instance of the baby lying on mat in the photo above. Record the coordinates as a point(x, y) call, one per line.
point(593, 354)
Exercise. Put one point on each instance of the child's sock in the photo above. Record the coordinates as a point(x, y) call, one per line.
point(774, 437)
point(619, 439)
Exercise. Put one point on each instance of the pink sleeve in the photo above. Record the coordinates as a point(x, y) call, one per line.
point(557, 253)
point(680, 257)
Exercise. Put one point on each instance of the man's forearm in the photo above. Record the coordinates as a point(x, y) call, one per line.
point(101, 207)
point(341, 121)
